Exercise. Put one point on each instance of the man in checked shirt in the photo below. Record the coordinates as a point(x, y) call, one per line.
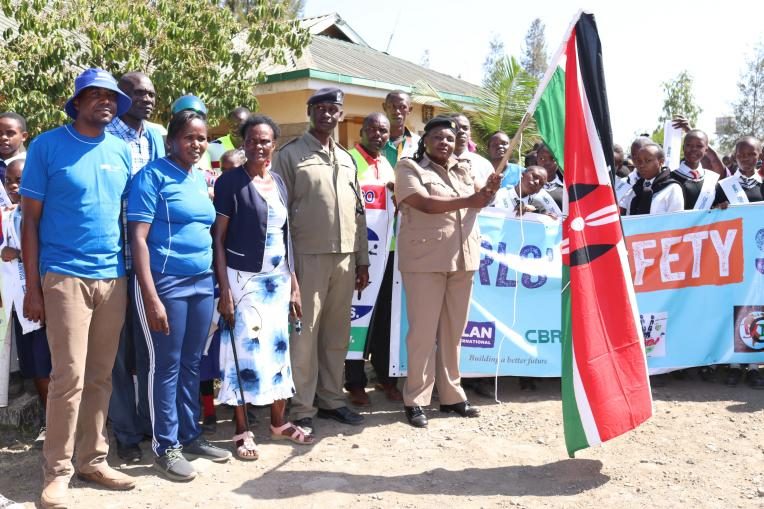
point(130, 422)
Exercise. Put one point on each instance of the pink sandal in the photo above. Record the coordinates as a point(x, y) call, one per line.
point(247, 451)
point(298, 436)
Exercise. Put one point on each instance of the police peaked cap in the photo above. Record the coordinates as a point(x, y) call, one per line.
point(440, 121)
point(327, 95)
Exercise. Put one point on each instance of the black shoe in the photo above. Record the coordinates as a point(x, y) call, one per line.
point(306, 424)
point(341, 414)
point(733, 377)
point(707, 373)
point(415, 416)
point(527, 383)
point(201, 448)
point(210, 425)
point(130, 453)
point(464, 409)
point(754, 379)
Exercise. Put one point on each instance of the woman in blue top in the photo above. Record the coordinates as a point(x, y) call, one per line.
point(169, 219)
point(258, 287)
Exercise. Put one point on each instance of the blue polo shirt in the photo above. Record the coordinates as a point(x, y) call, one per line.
point(81, 181)
point(177, 205)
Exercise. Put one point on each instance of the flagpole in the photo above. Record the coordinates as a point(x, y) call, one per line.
point(515, 141)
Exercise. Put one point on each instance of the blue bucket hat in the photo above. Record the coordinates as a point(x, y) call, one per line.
point(95, 77)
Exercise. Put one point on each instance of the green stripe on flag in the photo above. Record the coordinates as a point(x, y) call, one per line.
point(550, 115)
point(575, 437)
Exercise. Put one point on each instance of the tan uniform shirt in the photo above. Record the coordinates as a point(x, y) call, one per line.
point(323, 201)
point(443, 242)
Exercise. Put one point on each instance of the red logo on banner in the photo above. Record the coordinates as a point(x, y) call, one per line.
point(374, 196)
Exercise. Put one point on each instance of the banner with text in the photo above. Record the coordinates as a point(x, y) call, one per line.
point(379, 228)
point(698, 277)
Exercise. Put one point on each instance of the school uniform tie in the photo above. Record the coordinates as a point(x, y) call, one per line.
point(3, 167)
point(748, 182)
point(695, 174)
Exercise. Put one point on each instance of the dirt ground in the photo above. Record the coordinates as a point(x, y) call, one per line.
point(702, 448)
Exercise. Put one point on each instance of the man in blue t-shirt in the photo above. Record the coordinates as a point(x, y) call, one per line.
point(73, 184)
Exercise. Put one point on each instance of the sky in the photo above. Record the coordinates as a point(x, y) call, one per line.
point(644, 43)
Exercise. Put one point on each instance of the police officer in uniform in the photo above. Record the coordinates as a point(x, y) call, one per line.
point(438, 253)
point(331, 257)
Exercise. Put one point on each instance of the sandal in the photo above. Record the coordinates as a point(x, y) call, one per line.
point(247, 451)
point(298, 436)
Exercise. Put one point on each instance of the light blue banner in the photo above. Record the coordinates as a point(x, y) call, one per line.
point(699, 282)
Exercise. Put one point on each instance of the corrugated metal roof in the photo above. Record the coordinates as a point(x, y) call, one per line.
point(332, 25)
point(335, 56)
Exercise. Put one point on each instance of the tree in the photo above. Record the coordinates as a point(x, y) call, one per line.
point(535, 58)
point(503, 101)
point(183, 45)
point(679, 99)
point(495, 54)
point(748, 117)
point(424, 60)
point(242, 8)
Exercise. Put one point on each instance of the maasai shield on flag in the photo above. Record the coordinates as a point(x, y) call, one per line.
point(605, 387)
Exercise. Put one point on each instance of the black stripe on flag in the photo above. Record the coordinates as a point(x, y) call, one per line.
point(593, 79)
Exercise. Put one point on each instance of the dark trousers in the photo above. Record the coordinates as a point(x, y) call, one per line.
point(128, 411)
point(174, 359)
point(378, 338)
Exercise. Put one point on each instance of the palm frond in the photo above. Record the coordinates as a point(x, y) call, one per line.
point(424, 93)
point(505, 97)
point(502, 102)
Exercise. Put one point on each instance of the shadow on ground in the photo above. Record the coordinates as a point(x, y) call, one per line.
point(566, 477)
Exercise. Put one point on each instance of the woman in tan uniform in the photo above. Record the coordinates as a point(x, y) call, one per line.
point(438, 253)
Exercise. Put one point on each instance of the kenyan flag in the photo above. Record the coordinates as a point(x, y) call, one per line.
point(605, 387)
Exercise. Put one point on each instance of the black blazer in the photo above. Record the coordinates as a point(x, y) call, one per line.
point(237, 199)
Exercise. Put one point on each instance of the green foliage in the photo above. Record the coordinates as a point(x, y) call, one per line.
point(658, 136)
point(424, 93)
point(748, 118)
point(535, 57)
point(503, 100)
point(185, 46)
point(679, 100)
point(242, 8)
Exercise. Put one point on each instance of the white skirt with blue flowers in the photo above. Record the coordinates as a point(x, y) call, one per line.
point(261, 335)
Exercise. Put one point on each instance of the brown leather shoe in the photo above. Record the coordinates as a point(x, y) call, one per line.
point(391, 391)
point(109, 478)
point(358, 397)
point(55, 494)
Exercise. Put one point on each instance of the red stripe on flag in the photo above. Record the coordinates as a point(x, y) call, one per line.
point(606, 342)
